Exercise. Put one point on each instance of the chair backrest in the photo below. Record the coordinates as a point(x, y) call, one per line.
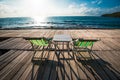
point(40, 41)
point(84, 43)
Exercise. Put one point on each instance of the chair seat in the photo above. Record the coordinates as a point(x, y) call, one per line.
point(37, 43)
point(41, 42)
point(83, 44)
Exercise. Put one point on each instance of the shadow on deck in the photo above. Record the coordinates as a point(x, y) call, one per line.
point(100, 69)
point(65, 66)
point(16, 64)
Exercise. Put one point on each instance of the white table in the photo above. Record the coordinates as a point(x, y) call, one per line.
point(62, 38)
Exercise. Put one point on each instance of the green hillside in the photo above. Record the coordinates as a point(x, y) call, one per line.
point(116, 14)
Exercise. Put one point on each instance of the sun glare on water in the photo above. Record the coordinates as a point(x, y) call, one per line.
point(39, 20)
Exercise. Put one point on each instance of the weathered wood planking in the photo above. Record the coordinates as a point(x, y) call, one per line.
point(75, 33)
point(16, 64)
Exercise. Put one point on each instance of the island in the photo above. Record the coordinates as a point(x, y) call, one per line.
point(116, 14)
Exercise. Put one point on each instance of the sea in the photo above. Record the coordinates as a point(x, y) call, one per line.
point(60, 22)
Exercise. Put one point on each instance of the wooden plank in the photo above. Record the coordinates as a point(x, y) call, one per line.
point(66, 65)
point(73, 68)
point(9, 59)
point(111, 45)
point(23, 68)
point(84, 68)
point(105, 66)
point(26, 72)
point(6, 41)
point(79, 69)
point(54, 73)
point(111, 58)
point(12, 65)
point(11, 43)
point(36, 65)
point(6, 55)
point(39, 66)
point(60, 66)
point(50, 69)
point(18, 66)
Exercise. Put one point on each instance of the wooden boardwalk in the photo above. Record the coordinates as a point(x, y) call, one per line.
point(16, 64)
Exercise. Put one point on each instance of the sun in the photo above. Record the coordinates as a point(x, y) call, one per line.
point(39, 7)
point(36, 4)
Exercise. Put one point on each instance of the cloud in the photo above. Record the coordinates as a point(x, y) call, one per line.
point(5, 10)
point(71, 10)
point(71, 6)
point(114, 9)
point(84, 10)
point(83, 4)
point(11, 11)
point(96, 2)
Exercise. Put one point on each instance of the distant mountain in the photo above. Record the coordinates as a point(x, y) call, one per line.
point(116, 14)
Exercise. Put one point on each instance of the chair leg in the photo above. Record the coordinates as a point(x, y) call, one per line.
point(33, 48)
point(89, 51)
point(49, 46)
point(75, 53)
point(33, 55)
point(34, 51)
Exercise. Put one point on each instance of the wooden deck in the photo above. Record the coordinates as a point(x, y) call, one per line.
point(16, 64)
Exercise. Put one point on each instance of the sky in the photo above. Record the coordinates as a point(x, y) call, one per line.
point(22, 8)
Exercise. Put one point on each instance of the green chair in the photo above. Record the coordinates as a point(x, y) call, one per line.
point(40, 42)
point(83, 45)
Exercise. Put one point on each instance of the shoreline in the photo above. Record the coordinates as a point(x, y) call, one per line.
point(59, 28)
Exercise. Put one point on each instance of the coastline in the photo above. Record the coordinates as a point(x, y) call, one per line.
point(57, 28)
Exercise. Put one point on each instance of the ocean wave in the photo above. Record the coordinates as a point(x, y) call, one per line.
point(60, 22)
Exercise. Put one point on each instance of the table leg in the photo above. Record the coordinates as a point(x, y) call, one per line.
point(68, 45)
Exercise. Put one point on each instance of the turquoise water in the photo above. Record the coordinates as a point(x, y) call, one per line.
point(70, 22)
